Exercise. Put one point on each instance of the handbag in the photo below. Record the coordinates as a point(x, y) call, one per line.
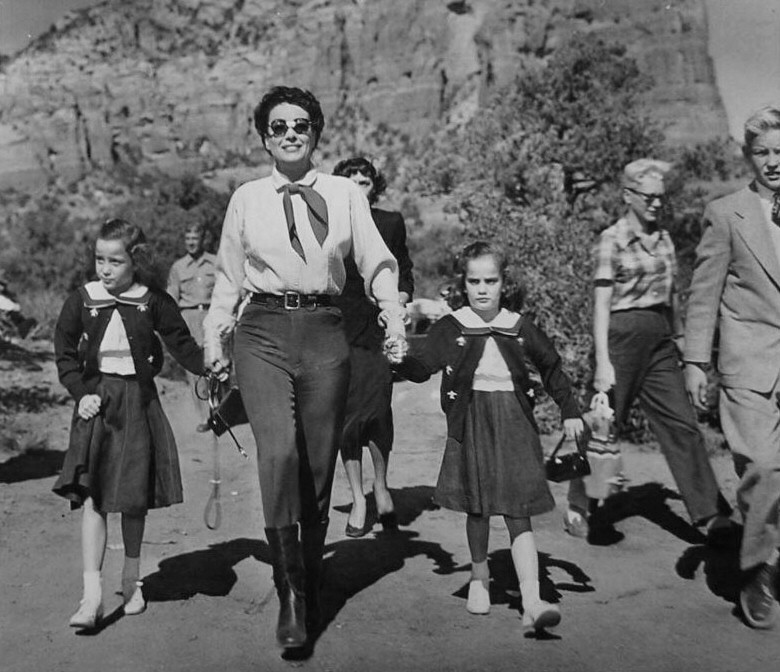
point(603, 451)
point(567, 466)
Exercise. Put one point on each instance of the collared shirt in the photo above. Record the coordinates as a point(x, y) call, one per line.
point(492, 373)
point(767, 198)
point(640, 267)
point(255, 254)
point(191, 281)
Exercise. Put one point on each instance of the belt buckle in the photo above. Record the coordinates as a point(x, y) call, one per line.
point(292, 300)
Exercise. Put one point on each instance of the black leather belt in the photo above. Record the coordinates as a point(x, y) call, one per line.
point(292, 300)
point(200, 306)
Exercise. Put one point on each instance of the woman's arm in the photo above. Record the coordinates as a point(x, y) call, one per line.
point(604, 377)
point(229, 278)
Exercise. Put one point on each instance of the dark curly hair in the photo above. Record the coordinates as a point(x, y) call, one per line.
point(294, 96)
point(147, 271)
point(511, 299)
point(359, 164)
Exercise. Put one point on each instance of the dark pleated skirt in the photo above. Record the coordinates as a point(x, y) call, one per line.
point(499, 467)
point(369, 415)
point(125, 458)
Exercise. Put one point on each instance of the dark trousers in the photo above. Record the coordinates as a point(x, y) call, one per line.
point(647, 367)
point(293, 371)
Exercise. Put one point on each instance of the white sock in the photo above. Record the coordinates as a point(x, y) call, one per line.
point(93, 589)
point(526, 564)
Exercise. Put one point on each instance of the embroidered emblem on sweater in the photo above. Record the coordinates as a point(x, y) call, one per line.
point(93, 312)
point(461, 340)
point(530, 392)
point(448, 370)
point(452, 394)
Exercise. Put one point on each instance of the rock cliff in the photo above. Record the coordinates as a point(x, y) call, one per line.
point(173, 82)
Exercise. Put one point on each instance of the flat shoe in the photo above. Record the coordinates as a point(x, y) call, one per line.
point(479, 597)
point(541, 616)
point(87, 617)
point(356, 532)
point(134, 603)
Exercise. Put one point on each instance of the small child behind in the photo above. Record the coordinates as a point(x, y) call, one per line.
point(493, 462)
point(122, 454)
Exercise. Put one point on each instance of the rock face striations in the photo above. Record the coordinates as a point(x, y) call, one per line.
point(173, 82)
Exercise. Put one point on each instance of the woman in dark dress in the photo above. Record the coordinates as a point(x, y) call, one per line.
point(369, 416)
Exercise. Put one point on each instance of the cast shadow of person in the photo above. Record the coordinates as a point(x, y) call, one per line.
point(648, 501)
point(720, 565)
point(505, 590)
point(34, 463)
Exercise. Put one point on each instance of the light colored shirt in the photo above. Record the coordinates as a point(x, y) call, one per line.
point(492, 373)
point(255, 254)
point(114, 354)
point(640, 267)
point(191, 281)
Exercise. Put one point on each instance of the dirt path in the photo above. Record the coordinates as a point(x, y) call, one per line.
point(657, 601)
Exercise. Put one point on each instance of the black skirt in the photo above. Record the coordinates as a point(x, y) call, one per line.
point(499, 467)
point(368, 415)
point(125, 458)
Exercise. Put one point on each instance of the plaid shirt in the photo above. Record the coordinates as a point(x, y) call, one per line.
point(641, 268)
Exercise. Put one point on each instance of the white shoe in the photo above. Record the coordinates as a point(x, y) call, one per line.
point(88, 615)
point(479, 597)
point(541, 615)
point(134, 598)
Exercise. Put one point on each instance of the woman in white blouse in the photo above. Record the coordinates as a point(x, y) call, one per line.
point(284, 241)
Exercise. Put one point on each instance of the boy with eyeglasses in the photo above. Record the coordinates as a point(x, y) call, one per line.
point(636, 357)
point(736, 290)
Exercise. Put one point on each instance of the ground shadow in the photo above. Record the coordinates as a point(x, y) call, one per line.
point(720, 565)
point(648, 501)
point(33, 463)
point(206, 572)
point(409, 503)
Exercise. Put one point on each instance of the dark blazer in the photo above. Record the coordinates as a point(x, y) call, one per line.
point(736, 287)
point(457, 350)
point(360, 315)
point(82, 324)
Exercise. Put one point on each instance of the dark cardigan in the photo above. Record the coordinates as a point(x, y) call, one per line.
point(82, 324)
point(455, 349)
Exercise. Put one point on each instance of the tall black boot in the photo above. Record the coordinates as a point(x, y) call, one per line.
point(313, 543)
point(289, 579)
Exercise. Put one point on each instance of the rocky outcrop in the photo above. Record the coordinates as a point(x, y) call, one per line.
point(173, 82)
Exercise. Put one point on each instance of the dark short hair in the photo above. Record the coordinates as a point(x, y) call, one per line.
point(147, 270)
point(294, 96)
point(359, 164)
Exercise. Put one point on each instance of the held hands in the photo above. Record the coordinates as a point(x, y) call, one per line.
point(573, 428)
point(395, 346)
point(89, 406)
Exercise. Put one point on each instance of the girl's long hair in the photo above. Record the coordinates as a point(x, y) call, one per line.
point(147, 270)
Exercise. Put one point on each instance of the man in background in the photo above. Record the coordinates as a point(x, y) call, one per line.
point(190, 282)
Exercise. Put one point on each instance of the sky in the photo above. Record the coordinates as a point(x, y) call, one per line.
point(744, 44)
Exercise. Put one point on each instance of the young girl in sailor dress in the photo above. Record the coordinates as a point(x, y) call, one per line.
point(493, 462)
point(122, 454)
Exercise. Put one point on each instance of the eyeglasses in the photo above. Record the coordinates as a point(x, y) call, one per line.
point(648, 198)
point(278, 127)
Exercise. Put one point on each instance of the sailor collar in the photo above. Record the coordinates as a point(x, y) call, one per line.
point(505, 323)
point(96, 296)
